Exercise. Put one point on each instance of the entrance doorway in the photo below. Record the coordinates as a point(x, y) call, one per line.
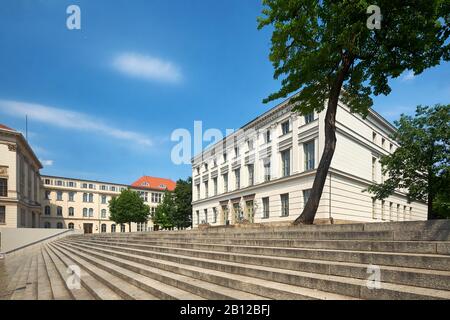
point(87, 227)
point(250, 211)
point(225, 215)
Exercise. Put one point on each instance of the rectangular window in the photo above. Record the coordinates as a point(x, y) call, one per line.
point(71, 196)
point(3, 187)
point(237, 176)
point(284, 205)
point(206, 215)
point(266, 212)
point(215, 186)
point(236, 152)
point(250, 145)
point(285, 129)
point(198, 191)
point(309, 118)
point(214, 215)
point(225, 182)
point(59, 183)
point(47, 195)
point(23, 221)
point(309, 155)
point(374, 137)
point(206, 189)
point(383, 203)
point(104, 199)
point(390, 211)
point(84, 185)
point(198, 216)
point(374, 168)
point(286, 162)
point(71, 184)
point(224, 157)
point(268, 137)
point(47, 181)
point(251, 174)
point(59, 196)
point(266, 170)
point(374, 214)
point(59, 211)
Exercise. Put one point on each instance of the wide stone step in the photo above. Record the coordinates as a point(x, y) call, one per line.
point(259, 287)
point(425, 235)
point(57, 285)
point(44, 289)
point(198, 287)
point(357, 288)
point(79, 293)
point(420, 261)
point(401, 275)
point(154, 287)
point(428, 247)
point(403, 226)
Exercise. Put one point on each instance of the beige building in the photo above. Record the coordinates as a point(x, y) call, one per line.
point(70, 203)
point(264, 171)
point(19, 181)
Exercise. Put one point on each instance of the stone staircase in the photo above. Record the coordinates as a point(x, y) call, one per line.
point(304, 262)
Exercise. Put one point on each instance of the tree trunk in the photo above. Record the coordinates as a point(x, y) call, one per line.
point(430, 214)
point(310, 209)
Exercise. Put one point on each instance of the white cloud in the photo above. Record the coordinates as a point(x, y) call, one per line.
point(147, 67)
point(70, 120)
point(47, 163)
point(408, 76)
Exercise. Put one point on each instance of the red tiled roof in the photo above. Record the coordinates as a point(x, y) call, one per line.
point(154, 183)
point(2, 126)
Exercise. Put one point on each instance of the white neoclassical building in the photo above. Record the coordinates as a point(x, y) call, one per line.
point(19, 181)
point(264, 171)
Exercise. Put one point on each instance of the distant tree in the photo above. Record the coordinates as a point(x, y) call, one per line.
point(128, 207)
point(165, 212)
point(325, 51)
point(176, 208)
point(421, 164)
point(183, 203)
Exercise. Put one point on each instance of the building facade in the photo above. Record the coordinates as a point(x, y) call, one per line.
point(20, 187)
point(263, 172)
point(83, 204)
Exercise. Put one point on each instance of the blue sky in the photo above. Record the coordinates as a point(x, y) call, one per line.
point(103, 101)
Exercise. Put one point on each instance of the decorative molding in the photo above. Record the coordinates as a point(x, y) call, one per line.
point(4, 171)
point(12, 147)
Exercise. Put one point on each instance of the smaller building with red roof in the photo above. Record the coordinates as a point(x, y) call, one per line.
point(154, 183)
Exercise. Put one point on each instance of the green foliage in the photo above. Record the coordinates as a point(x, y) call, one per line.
point(165, 212)
point(176, 207)
point(421, 163)
point(313, 39)
point(128, 207)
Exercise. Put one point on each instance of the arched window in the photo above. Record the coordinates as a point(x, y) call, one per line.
point(85, 212)
point(71, 226)
point(103, 228)
point(122, 228)
point(59, 211)
point(91, 212)
point(103, 213)
point(47, 225)
point(91, 197)
point(59, 225)
point(113, 228)
point(47, 210)
point(71, 211)
point(85, 197)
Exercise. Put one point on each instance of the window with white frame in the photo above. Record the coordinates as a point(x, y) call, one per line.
point(225, 182)
point(71, 196)
point(251, 174)
point(266, 211)
point(286, 162)
point(71, 211)
point(267, 169)
point(103, 213)
point(284, 205)
point(237, 177)
point(59, 195)
point(309, 152)
point(309, 118)
point(285, 127)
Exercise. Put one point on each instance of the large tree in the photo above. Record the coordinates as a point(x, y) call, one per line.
point(324, 51)
point(421, 164)
point(128, 207)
